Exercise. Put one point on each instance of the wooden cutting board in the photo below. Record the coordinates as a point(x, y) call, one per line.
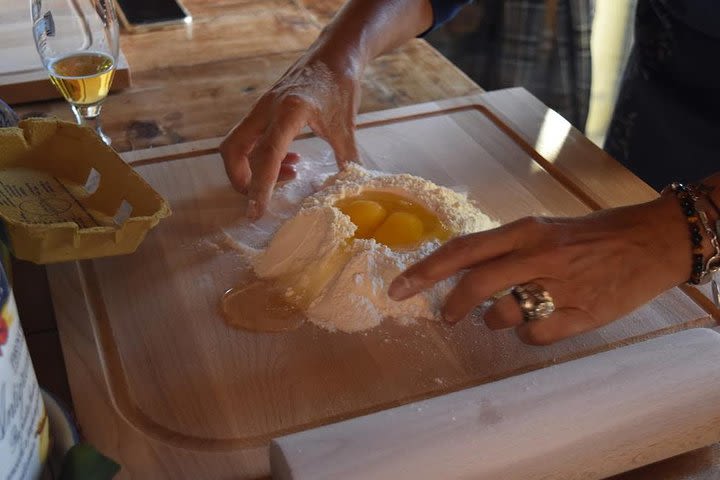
point(161, 384)
point(585, 419)
point(22, 75)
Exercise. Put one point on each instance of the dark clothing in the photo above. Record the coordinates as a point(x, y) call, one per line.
point(666, 125)
point(444, 10)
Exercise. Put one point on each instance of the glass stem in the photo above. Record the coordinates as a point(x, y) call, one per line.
point(89, 115)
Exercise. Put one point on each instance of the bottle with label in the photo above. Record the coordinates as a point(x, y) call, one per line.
point(24, 435)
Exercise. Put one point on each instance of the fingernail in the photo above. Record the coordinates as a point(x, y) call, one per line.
point(252, 210)
point(400, 288)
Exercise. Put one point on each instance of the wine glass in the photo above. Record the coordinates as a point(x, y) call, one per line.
point(78, 42)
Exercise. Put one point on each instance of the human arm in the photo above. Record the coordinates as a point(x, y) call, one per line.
point(322, 90)
point(597, 268)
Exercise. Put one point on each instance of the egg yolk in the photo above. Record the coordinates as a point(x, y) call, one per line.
point(400, 228)
point(392, 220)
point(366, 215)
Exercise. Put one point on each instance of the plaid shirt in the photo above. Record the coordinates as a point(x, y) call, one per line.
point(542, 45)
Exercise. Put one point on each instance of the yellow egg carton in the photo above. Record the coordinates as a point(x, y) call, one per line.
point(65, 195)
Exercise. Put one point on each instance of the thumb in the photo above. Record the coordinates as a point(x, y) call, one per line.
point(345, 147)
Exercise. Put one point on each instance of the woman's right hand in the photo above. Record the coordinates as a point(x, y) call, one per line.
point(315, 91)
point(322, 90)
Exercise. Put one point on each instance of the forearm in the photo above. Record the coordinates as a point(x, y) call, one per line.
point(364, 29)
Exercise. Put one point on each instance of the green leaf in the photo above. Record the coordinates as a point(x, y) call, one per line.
point(83, 462)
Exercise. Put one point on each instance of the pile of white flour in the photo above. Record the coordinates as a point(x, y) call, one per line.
point(341, 282)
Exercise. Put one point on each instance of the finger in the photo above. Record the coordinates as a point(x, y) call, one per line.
point(345, 147)
point(291, 158)
point(287, 167)
point(562, 323)
point(238, 144)
point(457, 254)
point(340, 134)
point(480, 283)
point(505, 312)
point(287, 172)
point(267, 157)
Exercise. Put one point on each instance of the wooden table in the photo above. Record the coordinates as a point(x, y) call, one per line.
point(194, 83)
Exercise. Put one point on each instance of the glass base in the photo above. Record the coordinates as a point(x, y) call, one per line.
point(89, 115)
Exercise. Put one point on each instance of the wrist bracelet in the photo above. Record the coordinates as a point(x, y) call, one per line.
point(687, 203)
point(713, 263)
point(705, 191)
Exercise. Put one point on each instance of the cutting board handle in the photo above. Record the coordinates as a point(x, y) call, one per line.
point(588, 418)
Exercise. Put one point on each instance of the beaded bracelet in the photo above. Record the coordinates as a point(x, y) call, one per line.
point(701, 271)
point(712, 264)
point(687, 203)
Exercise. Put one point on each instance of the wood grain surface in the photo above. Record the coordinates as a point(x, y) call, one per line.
point(195, 82)
point(581, 420)
point(163, 385)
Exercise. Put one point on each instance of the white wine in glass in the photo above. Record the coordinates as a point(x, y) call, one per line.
point(78, 42)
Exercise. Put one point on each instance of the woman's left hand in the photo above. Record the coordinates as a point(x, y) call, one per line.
point(597, 268)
